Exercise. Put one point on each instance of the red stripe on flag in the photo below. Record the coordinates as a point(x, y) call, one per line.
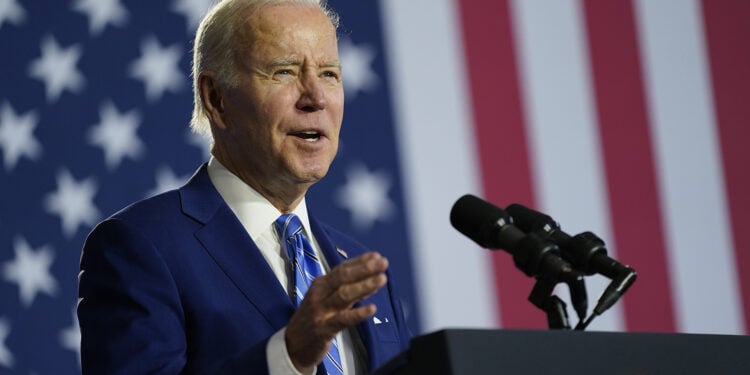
point(727, 25)
point(501, 139)
point(626, 146)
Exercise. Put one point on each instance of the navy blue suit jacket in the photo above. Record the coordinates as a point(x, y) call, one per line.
point(174, 284)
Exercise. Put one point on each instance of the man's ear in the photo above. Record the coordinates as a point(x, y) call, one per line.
point(212, 97)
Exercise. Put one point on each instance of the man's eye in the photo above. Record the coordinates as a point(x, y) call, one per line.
point(330, 74)
point(284, 72)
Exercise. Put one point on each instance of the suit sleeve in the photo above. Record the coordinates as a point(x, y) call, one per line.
point(129, 309)
point(131, 317)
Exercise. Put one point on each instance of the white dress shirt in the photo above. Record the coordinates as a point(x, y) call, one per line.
point(257, 216)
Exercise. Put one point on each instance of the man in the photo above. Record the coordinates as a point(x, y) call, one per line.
point(198, 280)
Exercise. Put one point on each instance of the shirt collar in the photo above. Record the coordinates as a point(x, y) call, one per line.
point(253, 210)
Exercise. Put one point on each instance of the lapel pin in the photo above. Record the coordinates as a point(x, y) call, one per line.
point(343, 253)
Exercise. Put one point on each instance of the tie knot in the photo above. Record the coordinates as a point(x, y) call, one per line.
point(288, 225)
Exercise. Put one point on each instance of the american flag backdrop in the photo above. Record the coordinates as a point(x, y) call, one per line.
point(628, 118)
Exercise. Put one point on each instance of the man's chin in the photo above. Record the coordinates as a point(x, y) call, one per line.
point(310, 170)
point(310, 175)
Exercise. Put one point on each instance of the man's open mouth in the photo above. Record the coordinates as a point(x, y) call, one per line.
point(308, 135)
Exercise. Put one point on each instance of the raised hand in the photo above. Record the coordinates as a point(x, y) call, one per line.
point(327, 307)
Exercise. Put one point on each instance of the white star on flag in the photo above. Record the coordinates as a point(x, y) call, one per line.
point(193, 10)
point(101, 13)
point(158, 68)
point(73, 202)
point(11, 11)
point(116, 135)
point(356, 63)
point(57, 68)
point(30, 270)
point(6, 357)
point(365, 195)
point(17, 136)
point(166, 179)
point(70, 338)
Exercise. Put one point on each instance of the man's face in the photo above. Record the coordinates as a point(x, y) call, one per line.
point(284, 116)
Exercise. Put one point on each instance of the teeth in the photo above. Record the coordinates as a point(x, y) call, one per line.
point(309, 135)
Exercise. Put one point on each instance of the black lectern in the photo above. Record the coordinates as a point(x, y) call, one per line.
point(470, 352)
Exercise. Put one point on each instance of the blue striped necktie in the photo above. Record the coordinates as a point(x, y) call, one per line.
point(307, 267)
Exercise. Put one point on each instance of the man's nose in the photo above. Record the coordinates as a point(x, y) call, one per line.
point(312, 96)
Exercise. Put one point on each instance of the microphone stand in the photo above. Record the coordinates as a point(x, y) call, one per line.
point(541, 259)
point(616, 288)
point(585, 251)
point(535, 241)
point(557, 315)
point(541, 296)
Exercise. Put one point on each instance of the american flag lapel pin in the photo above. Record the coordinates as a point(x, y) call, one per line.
point(343, 253)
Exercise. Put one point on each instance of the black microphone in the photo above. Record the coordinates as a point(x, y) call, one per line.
point(491, 227)
point(586, 251)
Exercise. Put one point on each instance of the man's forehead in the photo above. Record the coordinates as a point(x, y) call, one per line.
point(288, 16)
point(283, 31)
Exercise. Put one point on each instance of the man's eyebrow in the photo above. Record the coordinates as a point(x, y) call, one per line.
point(331, 64)
point(284, 62)
point(295, 62)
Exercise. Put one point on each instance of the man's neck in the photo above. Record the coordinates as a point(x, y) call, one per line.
point(284, 197)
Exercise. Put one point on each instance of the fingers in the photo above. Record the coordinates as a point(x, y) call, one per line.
point(359, 268)
point(351, 317)
point(347, 295)
point(350, 281)
point(308, 339)
point(327, 306)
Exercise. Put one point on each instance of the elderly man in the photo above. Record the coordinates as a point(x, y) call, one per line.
point(217, 276)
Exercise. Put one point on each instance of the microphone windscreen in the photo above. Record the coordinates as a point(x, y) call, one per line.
point(478, 220)
point(530, 220)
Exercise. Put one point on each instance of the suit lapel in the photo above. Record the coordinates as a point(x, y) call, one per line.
point(227, 242)
point(334, 256)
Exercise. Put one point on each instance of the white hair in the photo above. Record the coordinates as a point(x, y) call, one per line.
point(214, 46)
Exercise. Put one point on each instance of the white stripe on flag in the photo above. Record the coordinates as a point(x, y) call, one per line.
point(434, 126)
point(564, 140)
point(688, 162)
